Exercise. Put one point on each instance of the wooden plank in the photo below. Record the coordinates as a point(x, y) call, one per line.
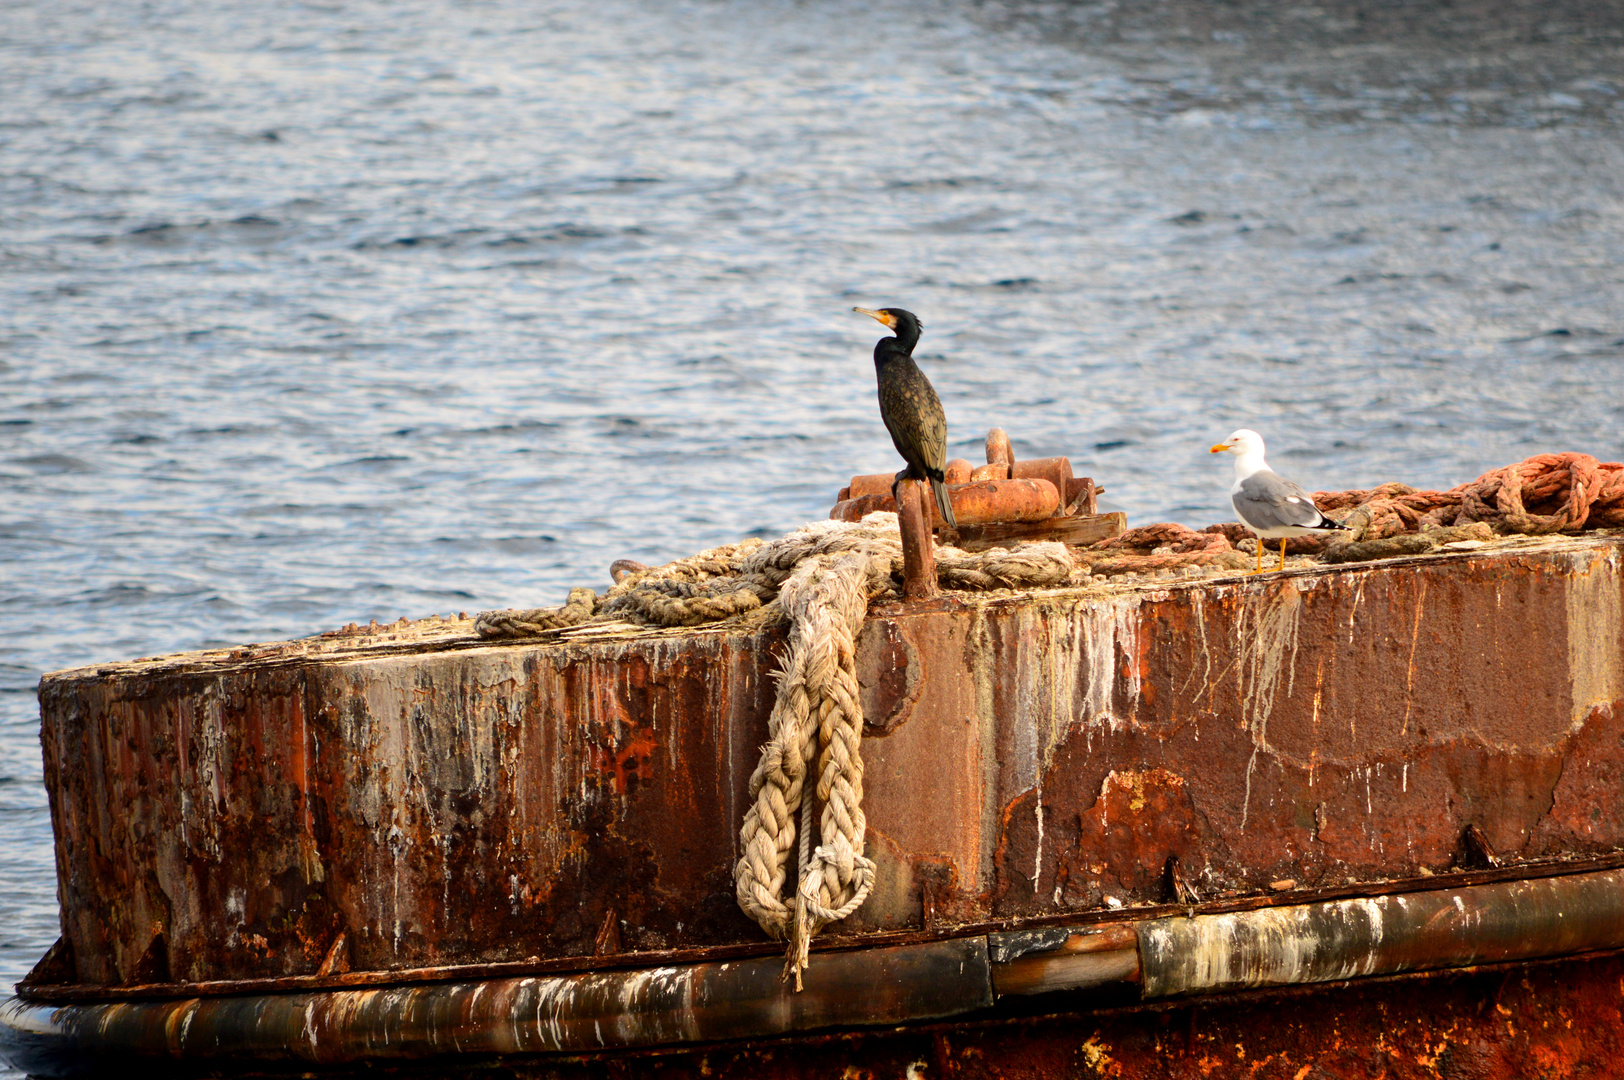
point(1077, 530)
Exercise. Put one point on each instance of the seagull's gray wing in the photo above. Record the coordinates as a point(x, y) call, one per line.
point(1267, 500)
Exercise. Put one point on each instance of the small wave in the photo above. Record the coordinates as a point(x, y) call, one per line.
point(54, 463)
point(512, 545)
point(375, 459)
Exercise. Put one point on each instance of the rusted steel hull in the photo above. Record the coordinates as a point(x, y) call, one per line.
point(501, 1017)
point(377, 806)
point(1118, 964)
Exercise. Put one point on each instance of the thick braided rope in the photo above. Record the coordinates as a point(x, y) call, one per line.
point(826, 598)
point(717, 562)
point(666, 602)
point(580, 606)
point(1164, 546)
point(1035, 565)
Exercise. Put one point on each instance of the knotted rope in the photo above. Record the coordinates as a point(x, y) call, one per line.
point(1547, 493)
point(822, 577)
point(1162, 546)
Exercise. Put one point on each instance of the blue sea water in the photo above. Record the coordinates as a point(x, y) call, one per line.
point(312, 313)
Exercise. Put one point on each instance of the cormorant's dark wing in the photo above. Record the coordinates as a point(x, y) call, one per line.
point(913, 415)
point(932, 427)
point(1267, 500)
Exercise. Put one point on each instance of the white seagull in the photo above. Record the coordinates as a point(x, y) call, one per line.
point(1269, 504)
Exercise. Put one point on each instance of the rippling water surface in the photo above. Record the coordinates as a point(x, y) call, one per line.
point(312, 313)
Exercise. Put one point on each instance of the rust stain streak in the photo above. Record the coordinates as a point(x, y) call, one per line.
point(1409, 670)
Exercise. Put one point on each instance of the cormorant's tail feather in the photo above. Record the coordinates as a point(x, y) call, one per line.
point(943, 503)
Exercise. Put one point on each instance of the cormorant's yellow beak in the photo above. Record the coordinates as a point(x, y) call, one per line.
point(884, 317)
point(1219, 448)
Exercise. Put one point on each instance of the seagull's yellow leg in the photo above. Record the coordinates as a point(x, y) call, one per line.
point(1259, 569)
point(1282, 553)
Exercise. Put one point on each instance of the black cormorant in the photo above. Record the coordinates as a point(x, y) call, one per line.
point(909, 406)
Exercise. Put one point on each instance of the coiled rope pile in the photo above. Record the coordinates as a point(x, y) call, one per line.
point(1545, 494)
point(822, 577)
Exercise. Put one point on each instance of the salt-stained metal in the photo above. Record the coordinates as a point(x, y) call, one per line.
point(585, 1012)
point(377, 805)
point(1385, 935)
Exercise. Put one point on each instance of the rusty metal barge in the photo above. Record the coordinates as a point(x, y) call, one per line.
point(1337, 821)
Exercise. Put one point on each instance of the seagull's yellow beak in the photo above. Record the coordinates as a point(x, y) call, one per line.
point(1219, 448)
point(884, 317)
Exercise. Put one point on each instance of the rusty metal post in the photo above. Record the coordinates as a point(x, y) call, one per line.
point(918, 556)
point(1056, 470)
point(999, 451)
point(986, 502)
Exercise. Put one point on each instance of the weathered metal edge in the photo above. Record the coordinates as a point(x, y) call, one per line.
point(1069, 1012)
point(268, 656)
point(533, 1015)
point(1056, 926)
point(1343, 939)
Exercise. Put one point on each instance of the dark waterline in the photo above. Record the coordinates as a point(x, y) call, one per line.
point(313, 314)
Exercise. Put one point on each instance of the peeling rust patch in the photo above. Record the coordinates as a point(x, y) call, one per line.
point(888, 672)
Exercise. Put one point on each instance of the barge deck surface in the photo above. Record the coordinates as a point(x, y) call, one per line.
point(364, 813)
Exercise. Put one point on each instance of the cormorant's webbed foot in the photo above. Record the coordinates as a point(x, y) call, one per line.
point(896, 496)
